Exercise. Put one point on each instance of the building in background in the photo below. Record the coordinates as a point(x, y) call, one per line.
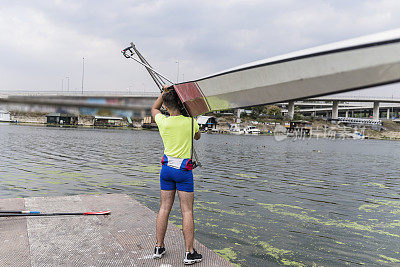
point(207, 123)
point(108, 121)
point(62, 119)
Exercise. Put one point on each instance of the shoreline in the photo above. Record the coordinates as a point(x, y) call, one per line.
point(320, 129)
point(376, 136)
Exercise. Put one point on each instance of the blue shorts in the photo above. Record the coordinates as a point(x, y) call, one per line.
point(171, 179)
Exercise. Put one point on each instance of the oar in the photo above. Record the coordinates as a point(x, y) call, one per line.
point(37, 213)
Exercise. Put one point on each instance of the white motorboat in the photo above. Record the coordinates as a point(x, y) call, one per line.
point(252, 130)
point(235, 129)
point(5, 116)
point(355, 135)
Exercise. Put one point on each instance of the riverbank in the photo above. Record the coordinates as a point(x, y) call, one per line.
point(320, 128)
point(39, 118)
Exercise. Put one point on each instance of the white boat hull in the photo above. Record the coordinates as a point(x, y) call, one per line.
point(345, 66)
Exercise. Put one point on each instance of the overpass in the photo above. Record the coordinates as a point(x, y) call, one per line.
point(353, 102)
point(347, 109)
point(142, 102)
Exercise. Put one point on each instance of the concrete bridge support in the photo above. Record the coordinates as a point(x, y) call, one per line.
point(291, 110)
point(347, 113)
point(238, 112)
point(335, 110)
point(388, 114)
point(376, 111)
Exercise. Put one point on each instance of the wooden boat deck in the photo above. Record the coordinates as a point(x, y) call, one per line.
point(126, 237)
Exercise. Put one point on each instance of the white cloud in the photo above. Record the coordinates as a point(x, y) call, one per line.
point(44, 41)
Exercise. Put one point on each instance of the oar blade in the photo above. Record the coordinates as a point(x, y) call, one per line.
point(98, 213)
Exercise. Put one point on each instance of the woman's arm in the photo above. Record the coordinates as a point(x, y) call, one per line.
point(155, 109)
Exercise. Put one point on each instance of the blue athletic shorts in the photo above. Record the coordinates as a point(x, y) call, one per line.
point(171, 179)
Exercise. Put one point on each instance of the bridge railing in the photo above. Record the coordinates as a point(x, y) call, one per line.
point(372, 98)
point(79, 93)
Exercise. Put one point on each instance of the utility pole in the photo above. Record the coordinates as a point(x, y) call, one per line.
point(83, 72)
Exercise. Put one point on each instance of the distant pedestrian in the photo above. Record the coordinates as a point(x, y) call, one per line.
point(176, 173)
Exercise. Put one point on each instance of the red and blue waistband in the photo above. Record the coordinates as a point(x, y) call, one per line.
point(177, 163)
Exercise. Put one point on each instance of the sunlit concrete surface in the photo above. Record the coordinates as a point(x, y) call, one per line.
point(126, 237)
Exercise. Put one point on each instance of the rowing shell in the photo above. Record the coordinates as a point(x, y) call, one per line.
point(338, 67)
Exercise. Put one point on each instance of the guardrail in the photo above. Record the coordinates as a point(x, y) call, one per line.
point(359, 121)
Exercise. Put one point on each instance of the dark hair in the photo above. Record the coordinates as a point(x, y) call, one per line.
point(171, 100)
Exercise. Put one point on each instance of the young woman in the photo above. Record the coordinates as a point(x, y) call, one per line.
point(176, 173)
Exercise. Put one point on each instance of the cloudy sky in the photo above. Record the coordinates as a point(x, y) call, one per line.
point(42, 42)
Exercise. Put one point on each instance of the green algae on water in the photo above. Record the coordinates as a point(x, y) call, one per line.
point(233, 230)
point(277, 254)
point(303, 216)
point(378, 185)
point(151, 169)
point(245, 175)
point(228, 254)
point(382, 206)
point(388, 259)
point(201, 206)
point(368, 207)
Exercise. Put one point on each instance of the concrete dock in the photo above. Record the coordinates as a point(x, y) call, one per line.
point(126, 237)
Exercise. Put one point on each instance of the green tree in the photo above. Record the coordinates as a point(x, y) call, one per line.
point(257, 111)
point(274, 112)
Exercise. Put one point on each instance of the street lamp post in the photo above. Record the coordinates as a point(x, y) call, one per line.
point(177, 76)
point(83, 72)
point(62, 85)
point(68, 83)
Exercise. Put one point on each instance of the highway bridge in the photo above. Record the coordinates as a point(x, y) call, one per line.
point(93, 99)
point(142, 102)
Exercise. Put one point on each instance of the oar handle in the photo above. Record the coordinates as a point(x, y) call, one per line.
point(20, 211)
point(54, 214)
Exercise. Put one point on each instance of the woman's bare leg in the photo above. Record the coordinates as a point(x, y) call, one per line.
point(167, 200)
point(186, 200)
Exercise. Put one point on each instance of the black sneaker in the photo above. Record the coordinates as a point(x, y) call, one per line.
point(191, 258)
point(158, 252)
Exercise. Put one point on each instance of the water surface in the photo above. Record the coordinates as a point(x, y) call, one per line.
point(258, 201)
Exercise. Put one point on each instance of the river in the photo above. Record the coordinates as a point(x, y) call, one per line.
point(259, 202)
